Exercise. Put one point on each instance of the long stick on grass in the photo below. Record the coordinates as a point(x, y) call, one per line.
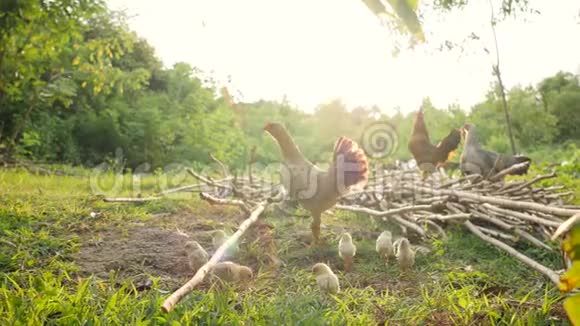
point(200, 275)
point(130, 199)
point(207, 181)
point(389, 214)
point(499, 201)
point(228, 202)
point(514, 253)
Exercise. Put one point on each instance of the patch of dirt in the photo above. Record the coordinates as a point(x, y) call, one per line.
point(155, 247)
point(135, 251)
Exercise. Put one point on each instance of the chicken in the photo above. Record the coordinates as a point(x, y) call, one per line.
point(315, 189)
point(196, 255)
point(385, 246)
point(405, 255)
point(326, 279)
point(476, 160)
point(346, 250)
point(428, 156)
point(228, 271)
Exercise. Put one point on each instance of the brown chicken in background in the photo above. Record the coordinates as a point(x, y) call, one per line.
point(428, 156)
point(476, 160)
point(315, 189)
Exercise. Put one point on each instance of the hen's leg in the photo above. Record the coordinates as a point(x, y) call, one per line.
point(315, 227)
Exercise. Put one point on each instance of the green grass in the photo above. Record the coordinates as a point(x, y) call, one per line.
point(45, 221)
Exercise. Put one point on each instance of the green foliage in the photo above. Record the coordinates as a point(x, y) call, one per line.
point(403, 10)
point(89, 88)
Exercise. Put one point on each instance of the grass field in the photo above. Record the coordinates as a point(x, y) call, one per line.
point(62, 265)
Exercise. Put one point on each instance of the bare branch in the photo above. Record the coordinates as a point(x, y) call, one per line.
point(500, 201)
point(221, 164)
point(130, 199)
point(528, 183)
point(550, 274)
point(566, 226)
point(509, 170)
point(228, 202)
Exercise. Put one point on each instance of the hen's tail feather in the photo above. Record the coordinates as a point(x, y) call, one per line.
point(350, 161)
point(447, 145)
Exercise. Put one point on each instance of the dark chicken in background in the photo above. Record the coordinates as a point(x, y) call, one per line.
point(315, 189)
point(476, 160)
point(428, 156)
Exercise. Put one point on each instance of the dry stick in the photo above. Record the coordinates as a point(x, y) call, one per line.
point(228, 202)
point(222, 166)
point(528, 183)
point(522, 216)
point(566, 226)
point(509, 170)
point(450, 217)
point(180, 189)
point(500, 201)
point(201, 273)
point(553, 276)
point(496, 233)
point(508, 186)
point(236, 191)
point(390, 212)
point(549, 217)
point(560, 194)
point(514, 229)
point(460, 180)
point(434, 225)
point(130, 199)
point(384, 215)
point(407, 224)
point(207, 181)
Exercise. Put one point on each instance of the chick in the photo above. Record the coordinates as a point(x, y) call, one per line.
point(385, 246)
point(218, 239)
point(405, 255)
point(346, 250)
point(327, 281)
point(196, 255)
point(228, 271)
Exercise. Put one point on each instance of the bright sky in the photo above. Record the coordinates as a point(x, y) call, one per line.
point(315, 50)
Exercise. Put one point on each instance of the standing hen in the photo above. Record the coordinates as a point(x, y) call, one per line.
point(427, 155)
point(315, 189)
point(476, 160)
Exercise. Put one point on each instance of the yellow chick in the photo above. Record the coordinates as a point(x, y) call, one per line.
point(405, 255)
point(228, 271)
point(385, 246)
point(218, 239)
point(196, 255)
point(346, 250)
point(325, 278)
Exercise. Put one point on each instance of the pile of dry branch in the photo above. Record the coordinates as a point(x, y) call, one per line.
point(500, 213)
